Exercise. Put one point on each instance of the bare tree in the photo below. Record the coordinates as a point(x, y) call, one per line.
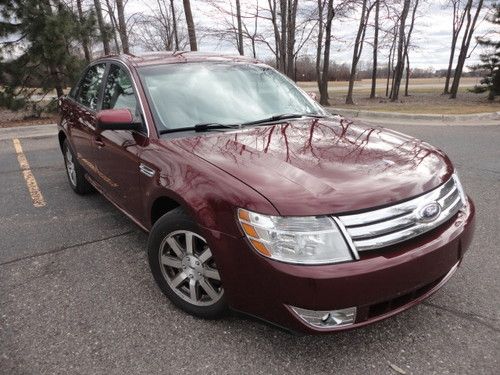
point(122, 26)
point(85, 36)
point(240, 28)
point(407, 80)
point(390, 60)
point(273, 10)
point(284, 24)
point(458, 21)
point(253, 35)
point(157, 29)
point(190, 25)
point(407, 45)
point(290, 38)
point(102, 27)
point(291, 30)
point(283, 49)
point(470, 27)
point(398, 72)
point(114, 24)
point(358, 48)
point(375, 50)
point(323, 88)
point(174, 24)
point(319, 47)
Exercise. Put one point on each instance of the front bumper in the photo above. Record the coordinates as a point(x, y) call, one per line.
point(381, 284)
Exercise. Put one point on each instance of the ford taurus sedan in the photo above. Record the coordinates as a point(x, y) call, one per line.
point(258, 200)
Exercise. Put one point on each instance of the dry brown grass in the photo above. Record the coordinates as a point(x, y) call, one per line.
point(424, 97)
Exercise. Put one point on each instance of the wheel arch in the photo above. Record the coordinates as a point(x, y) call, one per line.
point(62, 137)
point(160, 206)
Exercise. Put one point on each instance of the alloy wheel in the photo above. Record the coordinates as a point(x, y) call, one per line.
point(188, 267)
point(70, 167)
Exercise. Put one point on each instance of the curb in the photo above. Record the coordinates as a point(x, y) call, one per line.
point(31, 131)
point(380, 116)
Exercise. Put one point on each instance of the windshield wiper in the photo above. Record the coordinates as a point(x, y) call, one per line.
point(284, 116)
point(200, 127)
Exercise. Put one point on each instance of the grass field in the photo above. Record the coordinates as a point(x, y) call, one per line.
point(424, 97)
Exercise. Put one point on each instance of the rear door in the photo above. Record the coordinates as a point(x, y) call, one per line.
point(117, 151)
point(84, 101)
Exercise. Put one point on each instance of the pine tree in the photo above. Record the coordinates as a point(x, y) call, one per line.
point(490, 60)
point(40, 48)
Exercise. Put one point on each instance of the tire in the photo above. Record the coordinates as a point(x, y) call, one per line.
point(189, 278)
point(75, 172)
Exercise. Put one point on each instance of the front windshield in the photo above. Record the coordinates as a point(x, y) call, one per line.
point(187, 94)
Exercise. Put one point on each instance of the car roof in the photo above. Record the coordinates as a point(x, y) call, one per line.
point(170, 57)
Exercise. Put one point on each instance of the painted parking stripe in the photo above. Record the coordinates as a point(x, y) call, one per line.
point(36, 194)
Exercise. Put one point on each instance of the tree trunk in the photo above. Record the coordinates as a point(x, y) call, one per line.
point(407, 74)
point(85, 39)
point(390, 60)
point(388, 74)
point(323, 89)
point(290, 45)
point(319, 47)
point(283, 49)
point(458, 21)
point(375, 52)
point(114, 24)
point(358, 47)
point(450, 66)
point(407, 45)
point(190, 25)
point(398, 72)
point(52, 65)
point(240, 29)
point(277, 38)
point(122, 26)
point(469, 30)
point(174, 25)
point(102, 27)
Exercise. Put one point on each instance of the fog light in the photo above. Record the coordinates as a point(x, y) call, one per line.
point(326, 319)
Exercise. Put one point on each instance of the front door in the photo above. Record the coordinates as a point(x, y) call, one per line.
point(117, 152)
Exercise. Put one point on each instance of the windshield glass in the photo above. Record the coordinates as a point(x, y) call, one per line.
point(183, 95)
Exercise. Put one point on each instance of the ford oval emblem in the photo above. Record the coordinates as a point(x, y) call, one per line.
point(429, 212)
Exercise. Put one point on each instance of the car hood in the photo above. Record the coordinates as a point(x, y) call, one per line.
point(324, 166)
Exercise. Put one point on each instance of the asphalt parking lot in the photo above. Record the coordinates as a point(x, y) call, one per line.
point(77, 297)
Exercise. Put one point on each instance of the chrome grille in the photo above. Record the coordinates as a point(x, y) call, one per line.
point(400, 222)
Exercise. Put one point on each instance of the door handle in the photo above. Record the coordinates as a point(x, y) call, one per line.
point(99, 142)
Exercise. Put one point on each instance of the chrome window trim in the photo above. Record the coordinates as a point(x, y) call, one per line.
point(399, 222)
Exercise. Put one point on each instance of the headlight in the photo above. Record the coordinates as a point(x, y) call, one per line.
point(460, 188)
point(304, 240)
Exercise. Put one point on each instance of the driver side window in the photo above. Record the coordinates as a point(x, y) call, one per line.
point(88, 91)
point(118, 91)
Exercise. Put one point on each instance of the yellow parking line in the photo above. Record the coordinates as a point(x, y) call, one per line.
point(36, 194)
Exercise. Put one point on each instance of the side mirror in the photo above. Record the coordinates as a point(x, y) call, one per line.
point(313, 95)
point(116, 119)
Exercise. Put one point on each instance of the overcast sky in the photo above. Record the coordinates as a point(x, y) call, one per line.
point(432, 34)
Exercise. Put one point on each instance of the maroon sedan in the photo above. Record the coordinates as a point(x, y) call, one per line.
point(256, 198)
